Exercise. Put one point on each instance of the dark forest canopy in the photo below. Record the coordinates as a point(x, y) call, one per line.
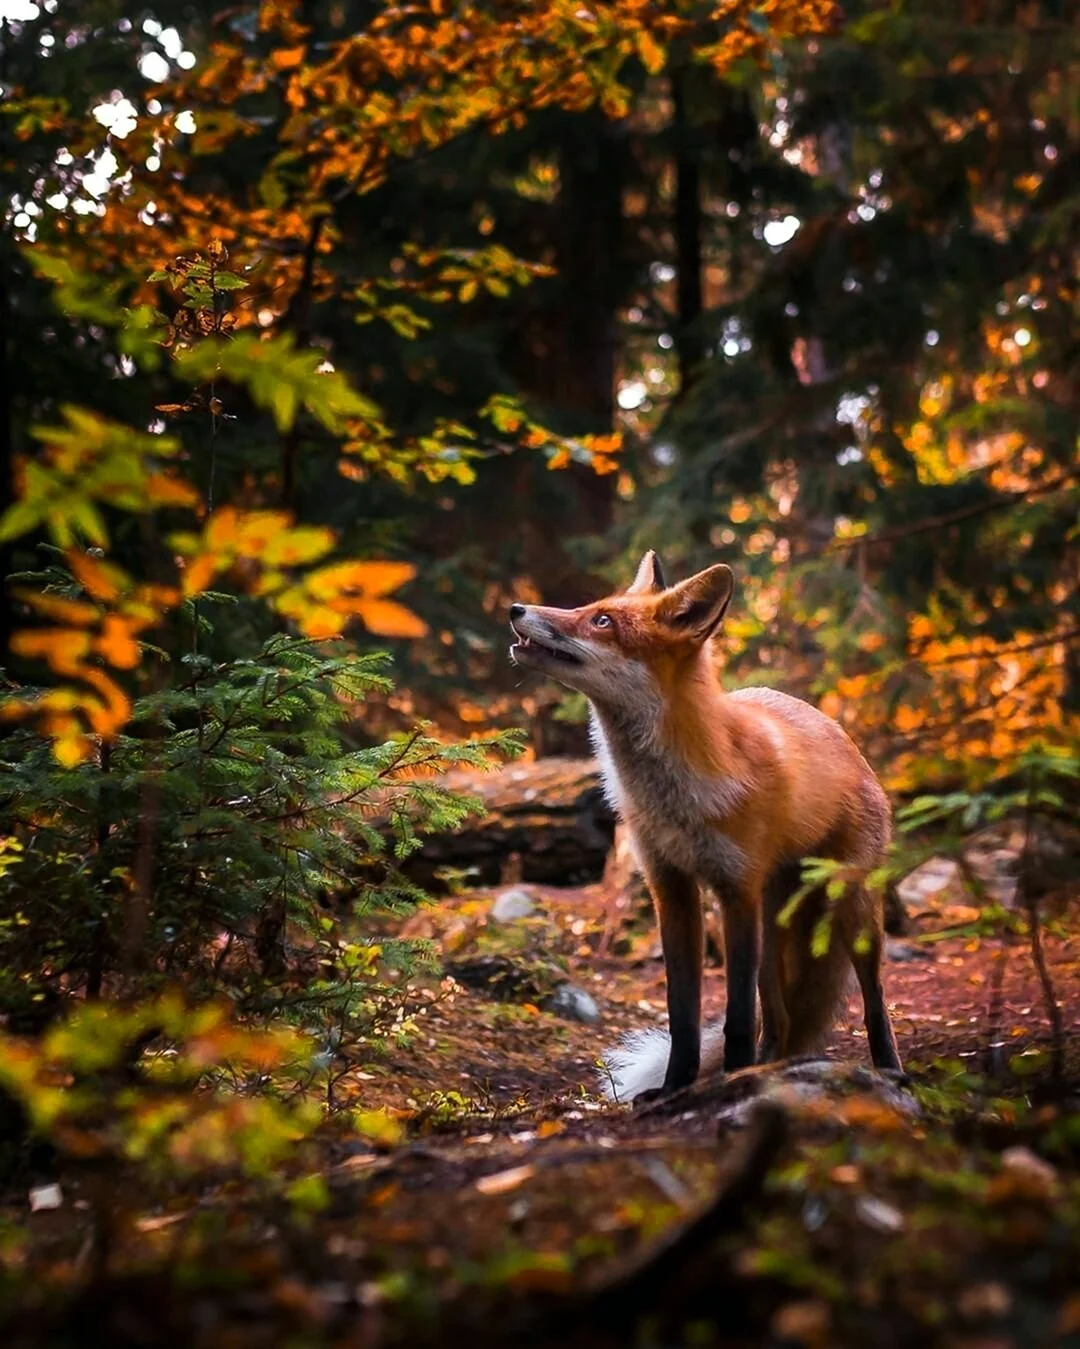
point(823, 290)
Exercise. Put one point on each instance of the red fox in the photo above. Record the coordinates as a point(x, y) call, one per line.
point(731, 791)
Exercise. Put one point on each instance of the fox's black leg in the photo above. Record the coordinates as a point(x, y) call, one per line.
point(742, 954)
point(866, 957)
point(678, 906)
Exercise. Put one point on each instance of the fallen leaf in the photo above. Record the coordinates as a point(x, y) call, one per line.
point(45, 1197)
point(502, 1182)
point(879, 1215)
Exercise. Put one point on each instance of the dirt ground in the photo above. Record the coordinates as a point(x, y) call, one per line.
point(519, 1207)
point(940, 989)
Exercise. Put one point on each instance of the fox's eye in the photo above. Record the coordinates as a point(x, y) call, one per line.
point(601, 621)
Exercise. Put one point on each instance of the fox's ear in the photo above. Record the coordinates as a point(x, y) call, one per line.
point(696, 606)
point(650, 576)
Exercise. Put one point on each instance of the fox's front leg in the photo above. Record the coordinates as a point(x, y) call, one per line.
point(682, 935)
point(742, 959)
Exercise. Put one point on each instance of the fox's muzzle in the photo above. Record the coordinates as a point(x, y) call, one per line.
point(540, 644)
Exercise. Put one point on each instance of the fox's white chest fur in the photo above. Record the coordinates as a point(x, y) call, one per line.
point(673, 813)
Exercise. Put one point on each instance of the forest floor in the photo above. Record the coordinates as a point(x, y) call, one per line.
point(812, 1205)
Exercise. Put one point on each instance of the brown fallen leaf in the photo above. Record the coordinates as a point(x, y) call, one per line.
point(984, 1301)
point(804, 1323)
point(502, 1182)
point(156, 1224)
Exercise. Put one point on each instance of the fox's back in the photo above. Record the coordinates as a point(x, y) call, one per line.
point(837, 790)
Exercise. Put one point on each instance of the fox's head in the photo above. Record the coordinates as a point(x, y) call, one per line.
point(636, 643)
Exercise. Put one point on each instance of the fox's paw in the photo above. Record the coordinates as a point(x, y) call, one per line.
point(648, 1097)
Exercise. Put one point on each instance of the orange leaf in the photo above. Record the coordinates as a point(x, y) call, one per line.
point(73, 612)
point(388, 619)
point(116, 643)
point(102, 580)
point(108, 716)
point(223, 529)
point(199, 572)
point(379, 578)
point(287, 58)
point(56, 645)
point(374, 579)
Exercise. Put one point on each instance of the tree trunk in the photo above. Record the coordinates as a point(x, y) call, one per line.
point(688, 257)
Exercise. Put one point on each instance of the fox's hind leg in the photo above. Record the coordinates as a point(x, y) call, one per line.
point(772, 979)
point(862, 933)
point(774, 1017)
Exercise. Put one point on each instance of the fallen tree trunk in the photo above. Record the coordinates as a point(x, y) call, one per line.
point(545, 822)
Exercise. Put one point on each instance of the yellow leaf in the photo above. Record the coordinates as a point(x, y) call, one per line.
point(320, 622)
point(303, 544)
point(71, 748)
point(388, 619)
point(258, 530)
point(379, 1126)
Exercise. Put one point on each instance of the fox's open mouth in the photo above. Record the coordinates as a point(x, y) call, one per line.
point(537, 648)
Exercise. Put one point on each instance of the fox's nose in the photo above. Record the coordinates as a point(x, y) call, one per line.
point(517, 611)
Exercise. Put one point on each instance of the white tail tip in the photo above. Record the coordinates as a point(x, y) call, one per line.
point(639, 1062)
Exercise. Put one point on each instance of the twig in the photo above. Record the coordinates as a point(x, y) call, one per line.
point(953, 517)
point(1038, 953)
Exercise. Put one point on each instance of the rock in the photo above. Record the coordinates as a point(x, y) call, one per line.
point(511, 905)
point(906, 950)
point(921, 887)
point(1024, 1175)
point(574, 1004)
point(818, 1088)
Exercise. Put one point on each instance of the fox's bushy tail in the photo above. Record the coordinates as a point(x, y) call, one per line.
point(814, 988)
